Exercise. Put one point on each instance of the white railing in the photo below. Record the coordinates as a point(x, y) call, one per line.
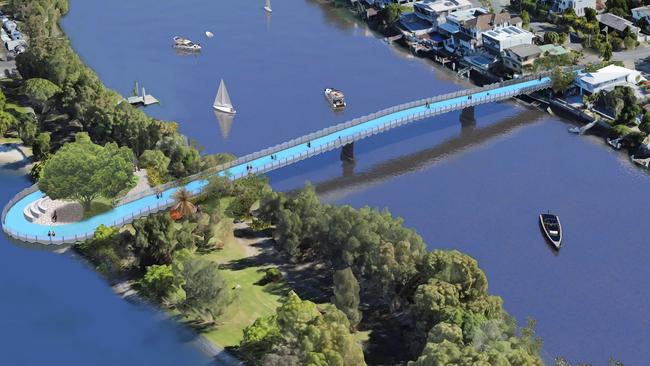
point(275, 164)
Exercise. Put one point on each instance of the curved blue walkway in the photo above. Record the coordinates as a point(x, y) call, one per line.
point(16, 225)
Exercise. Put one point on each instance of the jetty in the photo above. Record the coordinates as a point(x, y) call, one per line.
point(143, 100)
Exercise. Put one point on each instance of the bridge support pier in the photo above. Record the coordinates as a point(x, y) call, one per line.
point(467, 118)
point(347, 152)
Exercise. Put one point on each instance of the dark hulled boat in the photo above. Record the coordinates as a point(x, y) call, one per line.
point(552, 228)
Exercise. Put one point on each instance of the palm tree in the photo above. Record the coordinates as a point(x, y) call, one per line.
point(183, 204)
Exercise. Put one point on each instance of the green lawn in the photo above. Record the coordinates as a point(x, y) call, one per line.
point(251, 300)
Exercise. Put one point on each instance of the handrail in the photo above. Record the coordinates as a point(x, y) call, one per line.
point(459, 103)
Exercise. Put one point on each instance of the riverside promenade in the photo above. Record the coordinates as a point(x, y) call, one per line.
point(16, 224)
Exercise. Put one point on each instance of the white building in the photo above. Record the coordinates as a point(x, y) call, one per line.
point(642, 12)
point(436, 11)
point(472, 30)
point(578, 6)
point(607, 78)
point(498, 40)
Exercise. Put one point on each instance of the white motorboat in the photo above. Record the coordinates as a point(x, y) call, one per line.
point(209, 34)
point(222, 101)
point(267, 7)
point(185, 44)
point(335, 98)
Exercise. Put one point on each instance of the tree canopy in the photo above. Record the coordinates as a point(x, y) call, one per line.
point(301, 333)
point(84, 171)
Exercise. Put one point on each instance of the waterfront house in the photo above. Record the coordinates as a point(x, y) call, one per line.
point(610, 22)
point(607, 78)
point(519, 57)
point(436, 11)
point(411, 23)
point(498, 40)
point(455, 21)
point(578, 6)
point(471, 32)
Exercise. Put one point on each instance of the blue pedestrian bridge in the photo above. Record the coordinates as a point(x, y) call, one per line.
point(17, 223)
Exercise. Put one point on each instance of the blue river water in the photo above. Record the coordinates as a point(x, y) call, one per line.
point(475, 183)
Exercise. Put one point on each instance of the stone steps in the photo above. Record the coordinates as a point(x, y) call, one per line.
point(35, 209)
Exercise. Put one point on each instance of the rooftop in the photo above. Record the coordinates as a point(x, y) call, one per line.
point(505, 33)
point(553, 50)
point(440, 6)
point(461, 16)
point(608, 73)
point(525, 50)
point(488, 21)
point(412, 23)
point(615, 22)
point(643, 9)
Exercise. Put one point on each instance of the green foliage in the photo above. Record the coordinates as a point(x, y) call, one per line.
point(525, 17)
point(247, 191)
point(590, 14)
point(84, 171)
point(41, 146)
point(211, 231)
point(155, 239)
point(616, 42)
point(157, 282)
point(27, 130)
point(561, 80)
point(108, 250)
point(390, 13)
point(551, 37)
point(206, 292)
point(346, 296)
point(156, 164)
point(272, 274)
point(621, 103)
point(7, 121)
point(184, 159)
point(40, 91)
point(618, 7)
point(300, 333)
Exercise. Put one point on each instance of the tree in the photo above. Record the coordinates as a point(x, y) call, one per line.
point(346, 295)
point(27, 130)
point(606, 52)
point(551, 37)
point(183, 204)
point(41, 146)
point(157, 282)
point(561, 80)
point(6, 122)
point(390, 13)
point(154, 240)
point(83, 171)
point(590, 14)
point(525, 18)
point(40, 91)
point(156, 164)
point(206, 291)
point(300, 333)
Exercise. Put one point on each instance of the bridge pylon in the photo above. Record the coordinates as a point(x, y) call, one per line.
point(347, 152)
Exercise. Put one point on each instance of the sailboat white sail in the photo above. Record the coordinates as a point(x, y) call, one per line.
point(222, 101)
point(267, 7)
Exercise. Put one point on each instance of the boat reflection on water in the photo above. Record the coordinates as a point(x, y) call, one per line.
point(225, 122)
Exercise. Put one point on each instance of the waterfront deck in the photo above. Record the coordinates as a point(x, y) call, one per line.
point(16, 224)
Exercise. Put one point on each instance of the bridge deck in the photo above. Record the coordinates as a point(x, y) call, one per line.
point(17, 226)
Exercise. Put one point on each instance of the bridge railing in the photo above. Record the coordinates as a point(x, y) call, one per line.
point(337, 143)
point(326, 131)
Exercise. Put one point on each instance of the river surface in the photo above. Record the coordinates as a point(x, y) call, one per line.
point(475, 183)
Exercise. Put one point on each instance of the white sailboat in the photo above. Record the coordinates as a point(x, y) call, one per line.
point(222, 101)
point(267, 7)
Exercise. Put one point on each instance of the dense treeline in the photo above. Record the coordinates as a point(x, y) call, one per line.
point(443, 294)
point(79, 99)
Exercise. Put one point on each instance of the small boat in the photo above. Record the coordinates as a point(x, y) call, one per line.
point(222, 100)
point(615, 143)
point(185, 44)
point(267, 7)
point(552, 228)
point(209, 34)
point(574, 130)
point(335, 97)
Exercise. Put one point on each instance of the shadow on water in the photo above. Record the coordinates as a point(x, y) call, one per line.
point(470, 136)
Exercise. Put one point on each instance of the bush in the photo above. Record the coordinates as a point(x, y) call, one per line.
point(272, 275)
point(157, 282)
